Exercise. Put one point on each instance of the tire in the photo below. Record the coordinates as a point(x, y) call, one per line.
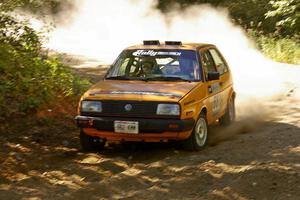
point(89, 143)
point(229, 116)
point(198, 139)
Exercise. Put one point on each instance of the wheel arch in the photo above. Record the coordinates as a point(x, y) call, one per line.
point(232, 94)
point(203, 110)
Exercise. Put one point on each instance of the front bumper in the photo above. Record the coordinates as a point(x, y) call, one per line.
point(149, 129)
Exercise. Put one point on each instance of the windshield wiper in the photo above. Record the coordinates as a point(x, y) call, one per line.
point(166, 78)
point(118, 78)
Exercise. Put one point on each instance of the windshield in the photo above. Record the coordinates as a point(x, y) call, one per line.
point(156, 64)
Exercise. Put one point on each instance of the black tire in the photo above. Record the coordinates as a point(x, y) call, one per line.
point(229, 116)
point(89, 143)
point(199, 136)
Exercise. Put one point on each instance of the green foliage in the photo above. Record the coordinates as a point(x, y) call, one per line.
point(280, 49)
point(9, 5)
point(289, 13)
point(285, 50)
point(35, 6)
point(29, 78)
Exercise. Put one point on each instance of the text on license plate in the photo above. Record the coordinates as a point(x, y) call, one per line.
point(126, 127)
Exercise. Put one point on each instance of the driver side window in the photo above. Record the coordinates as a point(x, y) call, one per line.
point(207, 63)
point(218, 60)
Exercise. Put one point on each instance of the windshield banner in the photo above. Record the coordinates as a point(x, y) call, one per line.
point(155, 53)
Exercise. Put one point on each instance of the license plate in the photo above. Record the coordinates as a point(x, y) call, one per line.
point(126, 127)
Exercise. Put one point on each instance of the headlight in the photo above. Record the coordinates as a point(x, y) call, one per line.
point(168, 109)
point(91, 106)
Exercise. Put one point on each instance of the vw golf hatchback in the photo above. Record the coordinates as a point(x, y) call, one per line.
point(158, 92)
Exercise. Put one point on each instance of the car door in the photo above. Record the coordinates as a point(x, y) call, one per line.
point(214, 90)
point(225, 78)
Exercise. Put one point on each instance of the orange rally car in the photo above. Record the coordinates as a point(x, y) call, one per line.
point(156, 93)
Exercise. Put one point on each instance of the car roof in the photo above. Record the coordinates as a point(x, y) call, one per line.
point(183, 46)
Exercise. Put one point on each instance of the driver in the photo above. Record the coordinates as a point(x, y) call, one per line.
point(148, 66)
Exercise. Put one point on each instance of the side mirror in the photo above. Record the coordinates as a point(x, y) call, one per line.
point(211, 76)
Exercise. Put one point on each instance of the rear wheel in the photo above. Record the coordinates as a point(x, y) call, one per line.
point(198, 138)
point(89, 143)
point(229, 115)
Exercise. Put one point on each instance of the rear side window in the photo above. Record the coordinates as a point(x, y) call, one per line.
point(218, 60)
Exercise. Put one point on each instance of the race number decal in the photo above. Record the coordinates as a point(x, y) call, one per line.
point(216, 104)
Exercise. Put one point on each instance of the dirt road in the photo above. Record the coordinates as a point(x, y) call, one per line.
point(254, 159)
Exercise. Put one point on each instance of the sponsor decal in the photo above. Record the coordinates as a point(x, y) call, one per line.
point(155, 53)
point(136, 92)
point(214, 88)
point(216, 101)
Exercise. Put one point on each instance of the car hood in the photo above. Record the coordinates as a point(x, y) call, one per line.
point(139, 90)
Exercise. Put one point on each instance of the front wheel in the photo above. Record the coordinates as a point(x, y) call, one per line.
point(198, 138)
point(89, 143)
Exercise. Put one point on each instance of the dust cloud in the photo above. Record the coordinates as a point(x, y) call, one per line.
point(101, 29)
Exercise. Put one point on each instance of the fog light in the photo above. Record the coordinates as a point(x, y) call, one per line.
point(82, 122)
point(91, 122)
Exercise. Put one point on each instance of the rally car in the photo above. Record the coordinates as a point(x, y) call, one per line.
point(159, 92)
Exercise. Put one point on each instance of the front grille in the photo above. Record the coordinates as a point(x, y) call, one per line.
point(140, 109)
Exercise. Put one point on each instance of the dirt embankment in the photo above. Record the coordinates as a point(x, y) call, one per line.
point(253, 159)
